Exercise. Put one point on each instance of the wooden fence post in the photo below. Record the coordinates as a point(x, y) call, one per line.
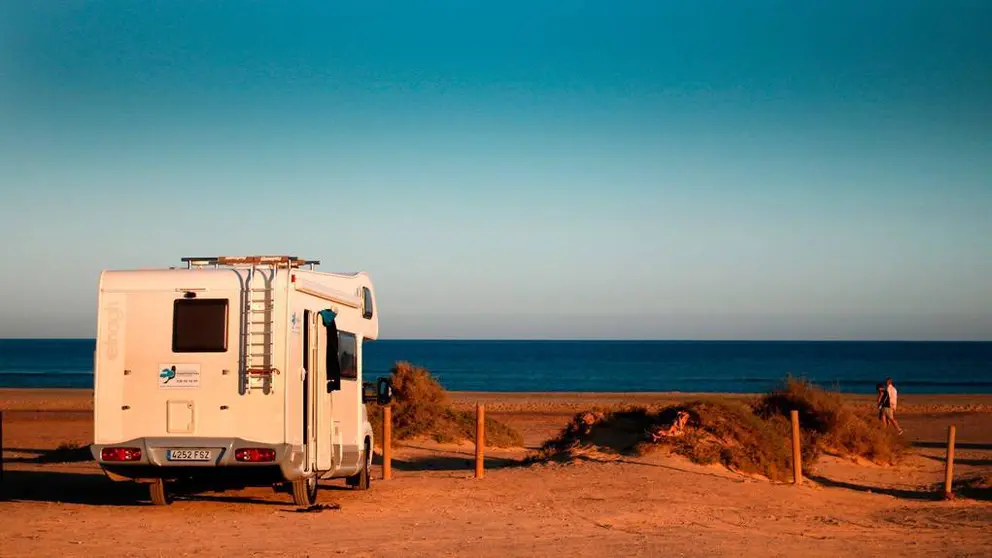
point(797, 456)
point(949, 469)
point(480, 440)
point(387, 442)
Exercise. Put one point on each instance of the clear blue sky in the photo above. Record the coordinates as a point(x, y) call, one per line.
point(645, 169)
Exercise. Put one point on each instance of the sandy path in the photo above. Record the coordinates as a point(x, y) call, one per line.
point(660, 505)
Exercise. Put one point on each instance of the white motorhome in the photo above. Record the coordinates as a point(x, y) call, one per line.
point(232, 372)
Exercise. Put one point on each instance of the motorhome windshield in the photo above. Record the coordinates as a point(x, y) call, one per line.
point(199, 326)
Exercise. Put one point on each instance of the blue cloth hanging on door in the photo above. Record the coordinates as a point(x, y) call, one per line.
point(328, 317)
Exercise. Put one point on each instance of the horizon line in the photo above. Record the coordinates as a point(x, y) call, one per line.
point(598, 340)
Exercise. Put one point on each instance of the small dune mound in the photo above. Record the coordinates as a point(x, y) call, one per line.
point(831, 425)
point(750, 438)
point(600, 431)
point(421, 409)
point(706, 432)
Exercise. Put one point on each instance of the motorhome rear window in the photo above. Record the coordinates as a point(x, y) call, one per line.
point(199, 326)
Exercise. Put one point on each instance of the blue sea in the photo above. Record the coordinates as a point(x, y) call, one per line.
point(687, 366)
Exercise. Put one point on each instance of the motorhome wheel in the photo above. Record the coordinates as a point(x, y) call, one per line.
point(363, 479)
point(159, 493)
point(305, 491)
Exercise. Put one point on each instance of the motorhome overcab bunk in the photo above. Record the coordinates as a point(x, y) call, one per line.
point(233, 372)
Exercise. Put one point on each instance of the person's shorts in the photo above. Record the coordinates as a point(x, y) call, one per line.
point(889, 413)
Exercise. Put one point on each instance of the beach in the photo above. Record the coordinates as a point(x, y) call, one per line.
point(59, 503)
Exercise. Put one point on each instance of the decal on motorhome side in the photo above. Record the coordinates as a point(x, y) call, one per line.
point(115, 315)
point(179, 375)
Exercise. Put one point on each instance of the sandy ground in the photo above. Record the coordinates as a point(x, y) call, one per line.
point(659, 505)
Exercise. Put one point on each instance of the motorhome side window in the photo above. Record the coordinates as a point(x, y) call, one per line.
point(366, 303)
point(347, 355)
point(199, 325)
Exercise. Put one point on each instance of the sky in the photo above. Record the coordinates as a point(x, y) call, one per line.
point(648, 170)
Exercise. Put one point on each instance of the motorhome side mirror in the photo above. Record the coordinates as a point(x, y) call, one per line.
point(384, 390)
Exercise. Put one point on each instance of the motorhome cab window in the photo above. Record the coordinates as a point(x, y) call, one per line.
point(199, 325)
point(347, 357)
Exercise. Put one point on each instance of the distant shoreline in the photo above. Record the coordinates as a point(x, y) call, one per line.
point(598, 366)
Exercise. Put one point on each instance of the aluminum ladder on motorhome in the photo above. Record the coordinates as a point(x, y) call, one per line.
point(257, 331)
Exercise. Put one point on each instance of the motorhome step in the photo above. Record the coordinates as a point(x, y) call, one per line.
point(260, 322)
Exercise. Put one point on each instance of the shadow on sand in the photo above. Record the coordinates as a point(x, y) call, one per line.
point(959, 460)
point(976, 488)
point(95, 489)
point(230, 499)
point(447, 463)
point(58, 455)
point(73, 488)
point(894, 492)
point(957, 445)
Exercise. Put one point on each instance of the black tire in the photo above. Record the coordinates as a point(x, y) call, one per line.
point(305, 492)
point(159, 493)
point(364, 480)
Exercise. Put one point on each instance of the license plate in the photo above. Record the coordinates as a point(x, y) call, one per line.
point(188, 455)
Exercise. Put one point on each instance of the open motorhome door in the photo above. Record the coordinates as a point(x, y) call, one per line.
point(327, 383)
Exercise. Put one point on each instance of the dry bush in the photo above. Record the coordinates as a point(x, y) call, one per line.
point(421, 408)
point(731, 434)
point(717, 432)
point(830, 424)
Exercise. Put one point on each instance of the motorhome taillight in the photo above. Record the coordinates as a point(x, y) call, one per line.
point(120, 454)
point(255, 455)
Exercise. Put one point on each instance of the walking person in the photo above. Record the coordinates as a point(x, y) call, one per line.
point(882, 402)
point(890, 411)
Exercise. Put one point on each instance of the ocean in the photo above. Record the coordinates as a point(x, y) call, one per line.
point(584, 366)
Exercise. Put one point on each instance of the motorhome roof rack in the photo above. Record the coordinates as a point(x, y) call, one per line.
point(275, 261)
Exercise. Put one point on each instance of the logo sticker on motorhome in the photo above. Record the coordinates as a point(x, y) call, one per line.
point(179, 375)
point(294, 323)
